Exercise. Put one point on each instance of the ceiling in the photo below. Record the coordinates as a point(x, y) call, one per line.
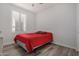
point(34, 7)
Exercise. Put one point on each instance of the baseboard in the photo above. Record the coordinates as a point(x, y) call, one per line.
point(7, 45)
point(64, 45)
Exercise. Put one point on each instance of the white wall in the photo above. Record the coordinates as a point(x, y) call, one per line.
point(6, 18)
point(61, 20)
point(77, 26)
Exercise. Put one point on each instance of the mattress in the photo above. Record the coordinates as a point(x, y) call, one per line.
point(30, 41)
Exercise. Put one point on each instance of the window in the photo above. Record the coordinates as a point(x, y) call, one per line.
point(15, 17)
point(18, 21)
point(23, 20)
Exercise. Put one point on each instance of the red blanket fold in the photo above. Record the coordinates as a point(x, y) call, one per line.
point(32, 40)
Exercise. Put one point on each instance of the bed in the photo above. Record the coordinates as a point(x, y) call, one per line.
point(30, 41)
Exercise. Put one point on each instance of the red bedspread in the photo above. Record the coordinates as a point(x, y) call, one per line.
point(32, 40)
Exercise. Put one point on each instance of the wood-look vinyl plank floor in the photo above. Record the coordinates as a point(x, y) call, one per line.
point(45, 50)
